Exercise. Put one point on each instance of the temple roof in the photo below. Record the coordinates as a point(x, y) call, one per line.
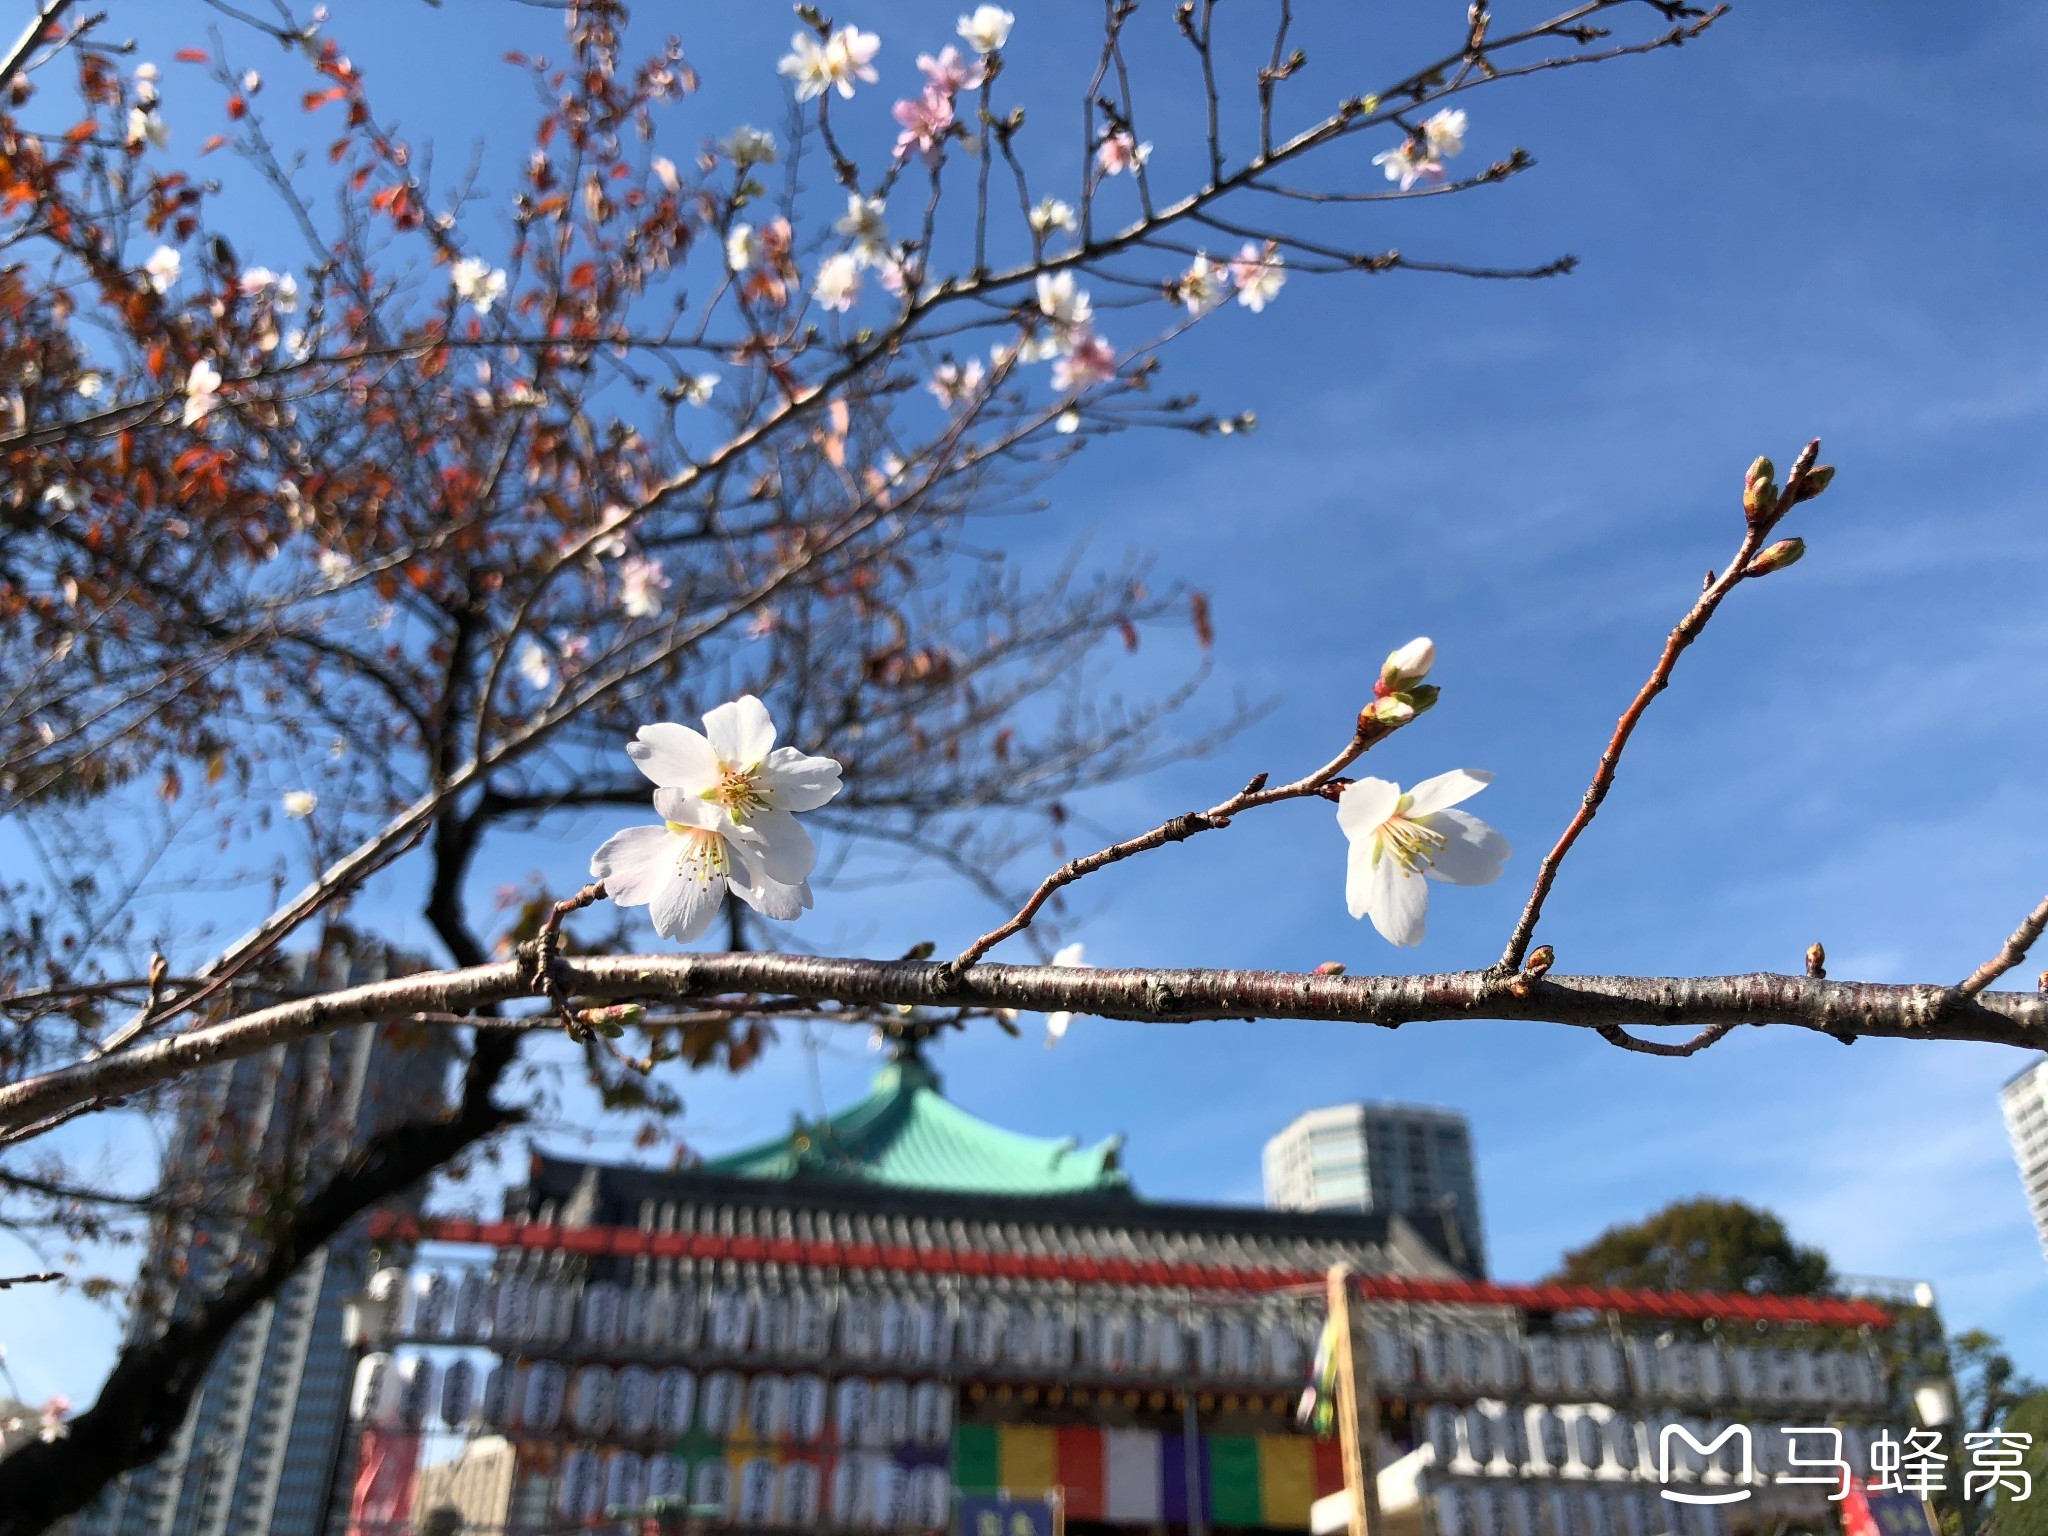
point(905, 1134)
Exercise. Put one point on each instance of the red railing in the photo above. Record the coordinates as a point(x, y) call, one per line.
point(627, 1242)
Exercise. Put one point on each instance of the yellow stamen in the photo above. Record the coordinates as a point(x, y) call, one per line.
point(737, 792)
point(1410, 842)
point(704, 857)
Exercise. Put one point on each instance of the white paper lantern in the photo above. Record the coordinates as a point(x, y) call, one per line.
point(931, 1499)
point(810, 1319)
point(1055, 1339)
point(542, 1394)
point(892, 1329)
point(602, 1306)
point(771, 1323)
point(804, 1410)
point(757, 1491)
point(711, 1486)
point(686, 1317)
point(373, 1399)
point(718, 1405)
point(891, 1423)
point(633, 1409)
point(981, 1331)
point(1393, 1362)
point(471, 1314)
point(1450, 1509)
point(728, 1319)
point(625, 1481)
point(388, 1304)
point(1020, 1336)
point(1290, 1360)
point(766, 1406)
point(1540, 1354)
point(496, 1408)
point(512, 1308)
point(580, 1493)
point(1238, 1351)
point(932, 1337)
point(591, 1399)
point(675, 1401)
point(797, 1499)
point(852, 1490)
point(931, 1414)
point(552, 1315)
point(888, 1495)
point(433, 1305)
point(417, 1379)
point(853, 1404)
point(1711, 1370)
point(458, 1393)
point(857, 1327)
point(668, 1479)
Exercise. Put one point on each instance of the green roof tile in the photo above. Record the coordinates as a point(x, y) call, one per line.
point(908, 1135)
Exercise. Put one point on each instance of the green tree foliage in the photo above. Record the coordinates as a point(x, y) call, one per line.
point(1701, 1245)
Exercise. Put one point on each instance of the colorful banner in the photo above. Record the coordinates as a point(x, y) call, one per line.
point(1139, 1476)
point(989, 1514)
point(1869, 1513)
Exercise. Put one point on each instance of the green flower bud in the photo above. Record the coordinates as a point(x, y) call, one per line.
point(1781, 554)
point(1760, 490)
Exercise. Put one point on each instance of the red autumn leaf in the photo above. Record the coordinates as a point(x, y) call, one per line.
point(238, 108)
point(315, 100)
point(190, 55)
point(1198, 614)
point(213, 143)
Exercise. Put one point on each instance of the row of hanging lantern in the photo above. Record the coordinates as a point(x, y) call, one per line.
point(527, 1314)
point(1531, 1509)
point(859, 1492)
point(1595, 1441)
point(1601, 1368)
point(633, 1402)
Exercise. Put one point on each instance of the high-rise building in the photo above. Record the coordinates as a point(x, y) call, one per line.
point(2025, 1100)
point(1388, 1159)
point(261, 1447)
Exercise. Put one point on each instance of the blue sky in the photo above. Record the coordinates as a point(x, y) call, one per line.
point(1822, 220)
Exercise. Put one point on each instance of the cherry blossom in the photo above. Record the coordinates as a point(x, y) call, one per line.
point(300, 803)
point(1397, 839)
point(742, 249)
point(1050, 214)
point(163, 267)
point(202, 392)
point(641, 583)
point(1069, 957)
point(1090, 360)
point(665, 172)
point(987, 29)
point(146, 77)
point(698, 387)
point(1406, 667)
point(1119, 152)
point(146, 125)
point(89, 386)
point(1444, 134)
point(1201, 288)
point(1408, 164)
point(1061, 302)
point(866, 224)
point(52, 1416)
point(924, 120)
point(534, 665)
point(1260, 273)
point(334, 565)
point(838, 282)
point(728, 799)
point(477, 283)
point(949, 73)
point(898, 275)
point(749, 146)
point(842, 59)
point(953, 384)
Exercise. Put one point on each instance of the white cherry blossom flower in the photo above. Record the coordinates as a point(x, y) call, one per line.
point(949, 74)
point(58, 1408)
point(202, 392)
point(641, 583)
point(1408, 164)
point(987, 29)
point(1120, 152)
point(953, 384)
point(728, 799)
point(1399, 841)
point(1050, 214)
point(146, 125)
point(1090, 360)
point(534, 665)
point(252, 82)
point(837, 282)
point(89, 386)
point(1260, 273)
point(335, 565)
point(846, 56)
point(866, 224)
point(1065, 305)
point(665, 172)
point(1406, 667)
point(300, 803)
point(1444, 134)
point(1201, 287)
point(749, 146)
point(477, 283)
point(1067, 423)
point(163, 268)
point(146, 77)
point(698, 387)
point(742, 247)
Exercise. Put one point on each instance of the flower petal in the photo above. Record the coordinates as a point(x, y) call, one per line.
point(1072, 956)
point(674, 755)
point(782, 900)
point(782, 847)
point(1395, 899)
point(1364, 805)
point(796, 781)
point(1472, 853)
point(691, 894)
point(741, 731)
point(1056, 1028)
point(1445, 789)
point(691, 810)
point(632, 864)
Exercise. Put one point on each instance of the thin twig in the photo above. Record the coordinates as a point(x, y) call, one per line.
point(8, 1282)
point(2012, 954)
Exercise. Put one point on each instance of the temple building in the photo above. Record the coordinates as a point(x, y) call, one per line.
point(902, 1318)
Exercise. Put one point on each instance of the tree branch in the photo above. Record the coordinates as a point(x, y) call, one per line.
point(2014, 951)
